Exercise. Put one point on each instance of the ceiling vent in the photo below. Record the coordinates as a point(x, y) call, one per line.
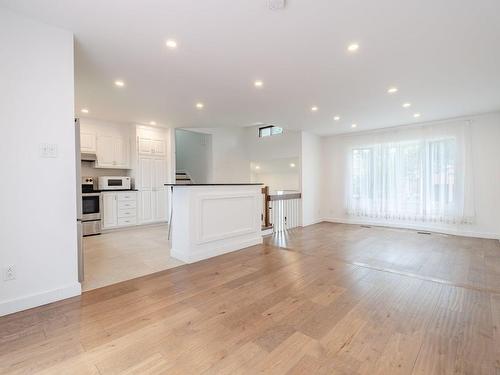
point(276, 4)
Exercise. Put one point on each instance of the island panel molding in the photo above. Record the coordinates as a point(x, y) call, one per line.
point(214, 226)
point(212, 220)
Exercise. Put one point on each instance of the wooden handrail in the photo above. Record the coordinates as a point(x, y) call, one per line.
point(265, 191)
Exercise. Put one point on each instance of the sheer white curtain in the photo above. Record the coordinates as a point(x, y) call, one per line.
point(418, 174)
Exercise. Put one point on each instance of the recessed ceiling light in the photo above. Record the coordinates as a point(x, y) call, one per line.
point(392, 90)
point(258, 83)
point(200, 105)
point(292, 165)
point(152, 123)
point(314, 108)
point(170, 43)
point(353, 47)
point(336, 118)
point(257, 167)
point(416, 115)
point(85, 110)
point(119, 83)
point(406, 105)
point(354, 126)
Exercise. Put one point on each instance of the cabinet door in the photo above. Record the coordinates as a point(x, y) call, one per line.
point(160, 205)
point(109, 210)
point(146, 206)
point(87, 142)
point(158, 168)
point(120, 152)
point(105, 151)
point(158, 146)
point(145, 146)
point(145, 173)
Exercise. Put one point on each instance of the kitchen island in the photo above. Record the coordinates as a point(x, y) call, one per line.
point(214, 219)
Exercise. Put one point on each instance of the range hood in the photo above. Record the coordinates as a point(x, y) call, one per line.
point(85, 156)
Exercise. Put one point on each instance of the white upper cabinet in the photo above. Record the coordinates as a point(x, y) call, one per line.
point(121, 152)
point(158, 146)
point(145, 146)
point(112, 152)
point(105, 151)
point(151, 146)
point(88, 142)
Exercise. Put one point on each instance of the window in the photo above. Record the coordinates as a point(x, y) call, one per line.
point(266, 131)
point(407, 180)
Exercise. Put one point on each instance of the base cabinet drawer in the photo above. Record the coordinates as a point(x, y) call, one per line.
point(123, 205)
point(127, 212)
point(126, 196)
point(124, 221)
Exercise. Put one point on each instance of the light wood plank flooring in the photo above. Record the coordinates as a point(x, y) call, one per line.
point(126, 254)
point(335, 299)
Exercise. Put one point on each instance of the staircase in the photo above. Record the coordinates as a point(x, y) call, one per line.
point(183, 178)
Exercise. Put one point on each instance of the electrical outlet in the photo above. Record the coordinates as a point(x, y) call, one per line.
point(9, 273)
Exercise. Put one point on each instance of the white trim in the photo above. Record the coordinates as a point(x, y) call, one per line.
point(464, 233)
point(39, 299)
point(202, 238)
point(315, 221)
point(223, 249)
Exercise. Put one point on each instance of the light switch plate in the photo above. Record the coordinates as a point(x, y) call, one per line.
point(276, 4)
point(48, 150)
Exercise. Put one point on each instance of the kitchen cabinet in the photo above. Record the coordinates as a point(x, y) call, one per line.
point(119, 209)
point(109, 210)
point(151, 146)
point(88, 142)
point(152, 193)
point(112, 152)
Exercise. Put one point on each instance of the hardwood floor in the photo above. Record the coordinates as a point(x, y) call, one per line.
point(126, 254)
point(335, 299)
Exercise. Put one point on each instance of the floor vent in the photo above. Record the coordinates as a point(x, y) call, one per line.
point(424, 233)
point(365, 226)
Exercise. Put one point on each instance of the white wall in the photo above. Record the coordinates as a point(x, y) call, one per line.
point(286, 145)
point(273, 155)
point(38, 216)
point(277, 174)
point(486, 169)
point(229, 156)
point(193, 154)
point(311, 178)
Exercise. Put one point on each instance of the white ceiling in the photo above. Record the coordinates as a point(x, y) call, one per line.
point(443, 55)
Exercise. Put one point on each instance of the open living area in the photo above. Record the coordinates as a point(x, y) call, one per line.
point(236, 187)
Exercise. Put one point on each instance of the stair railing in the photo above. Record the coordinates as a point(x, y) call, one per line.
point(285, 211)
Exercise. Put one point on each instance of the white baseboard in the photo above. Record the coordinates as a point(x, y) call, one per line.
point(223, 249)
point(39, 299)
point(465, 233)
point(315, 221)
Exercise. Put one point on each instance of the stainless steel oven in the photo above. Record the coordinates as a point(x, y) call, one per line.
point(91, 208)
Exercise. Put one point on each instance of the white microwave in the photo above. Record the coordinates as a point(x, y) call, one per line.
point(114, 183)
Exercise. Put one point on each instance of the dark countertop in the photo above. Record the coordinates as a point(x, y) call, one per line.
point(238, 184)
point(109, 191)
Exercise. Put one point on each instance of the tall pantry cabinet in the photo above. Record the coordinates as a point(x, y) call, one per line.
point(152, 172)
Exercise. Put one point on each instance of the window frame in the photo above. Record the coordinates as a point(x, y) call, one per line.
point(270, 127)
